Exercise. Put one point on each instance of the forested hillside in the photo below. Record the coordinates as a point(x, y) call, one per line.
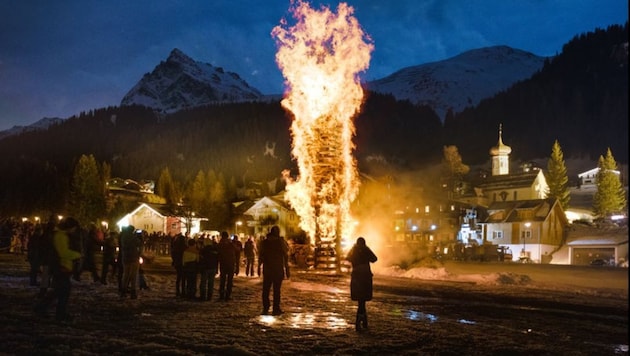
point(580, 98)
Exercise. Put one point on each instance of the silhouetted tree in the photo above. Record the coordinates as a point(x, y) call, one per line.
point(610, 197)
point(556, 176)
point(87, 192)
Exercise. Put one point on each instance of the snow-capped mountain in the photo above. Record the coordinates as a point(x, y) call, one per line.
point(182, 83)
point(460, 81)
point(42, 124)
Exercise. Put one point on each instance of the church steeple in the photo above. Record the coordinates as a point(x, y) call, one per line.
point(500, 156)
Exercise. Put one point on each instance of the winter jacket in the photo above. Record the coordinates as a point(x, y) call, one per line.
point(130, 246)
point(190, 258)
point(209, 256)
point(65, 255)
point(227, 255)
point(249, 249)
point(177, 250)
point(274, 257)
point(361, 278)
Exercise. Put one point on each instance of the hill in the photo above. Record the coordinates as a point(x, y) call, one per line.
point(579, 97)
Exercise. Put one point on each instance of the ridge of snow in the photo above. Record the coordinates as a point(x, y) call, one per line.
point(461, 81)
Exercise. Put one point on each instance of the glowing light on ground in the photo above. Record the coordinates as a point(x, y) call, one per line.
point(306, 321)
point(320, 57)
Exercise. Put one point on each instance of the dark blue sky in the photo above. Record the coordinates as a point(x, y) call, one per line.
point(58, 58)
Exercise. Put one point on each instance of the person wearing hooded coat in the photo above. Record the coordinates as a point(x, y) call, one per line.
point(360, 256)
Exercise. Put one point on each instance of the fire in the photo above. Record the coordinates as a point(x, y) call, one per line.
point(320, 57)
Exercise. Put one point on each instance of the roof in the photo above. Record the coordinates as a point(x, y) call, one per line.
point(510, 181)
point(511, 211)
point(593, 172)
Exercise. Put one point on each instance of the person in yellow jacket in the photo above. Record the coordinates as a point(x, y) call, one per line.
point(190, 262)
point(61, 268)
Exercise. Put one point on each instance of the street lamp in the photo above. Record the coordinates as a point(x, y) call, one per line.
point(527, 226)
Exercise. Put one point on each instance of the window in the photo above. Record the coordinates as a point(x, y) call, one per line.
point(526, 234)
point(426, 209)
point(497, 234)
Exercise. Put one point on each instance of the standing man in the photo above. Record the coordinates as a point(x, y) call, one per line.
point(250, 255)
point(238, 245)
point(131, 250)
point(178, 245)
point(190, 262)
point(109, 255)
point(61, 267)
point(208, 268)
point(360, 256)
point(274, 258)
point(227, 261)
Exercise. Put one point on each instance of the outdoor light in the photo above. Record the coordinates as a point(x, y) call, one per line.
point(433, 227)
point(236, 225)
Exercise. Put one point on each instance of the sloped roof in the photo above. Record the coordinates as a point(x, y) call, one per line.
point(510, 181)
point(508, 211)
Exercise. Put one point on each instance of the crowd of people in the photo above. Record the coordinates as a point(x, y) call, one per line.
point(59, 251)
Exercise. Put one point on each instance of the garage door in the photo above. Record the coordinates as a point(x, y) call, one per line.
point(584, 255)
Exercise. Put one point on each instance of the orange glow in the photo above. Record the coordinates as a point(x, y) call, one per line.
point(320, 57)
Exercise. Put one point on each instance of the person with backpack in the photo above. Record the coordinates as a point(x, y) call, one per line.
point(62, 267)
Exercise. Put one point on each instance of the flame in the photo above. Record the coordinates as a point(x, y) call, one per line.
point(320, 57)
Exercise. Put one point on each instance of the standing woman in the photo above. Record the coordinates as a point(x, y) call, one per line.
point(360, 256)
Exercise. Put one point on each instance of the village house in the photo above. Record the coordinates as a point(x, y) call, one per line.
point(259, 216)
point(159, 218)
point(534, 228)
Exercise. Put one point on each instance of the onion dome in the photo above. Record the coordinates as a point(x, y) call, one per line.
point(500, 148)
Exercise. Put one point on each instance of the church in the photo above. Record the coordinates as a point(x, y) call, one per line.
point(518, 214)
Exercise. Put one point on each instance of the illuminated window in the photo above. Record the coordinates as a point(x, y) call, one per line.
point(426, 209)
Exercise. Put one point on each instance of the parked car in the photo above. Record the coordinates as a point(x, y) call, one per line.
point(599, 262)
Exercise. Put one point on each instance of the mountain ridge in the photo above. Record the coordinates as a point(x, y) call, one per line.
point(460, 81)
point(181, 83)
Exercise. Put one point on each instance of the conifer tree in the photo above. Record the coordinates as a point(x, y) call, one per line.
point(87, 191)
point(167, 188)
point(610, 197)
point(557, 178)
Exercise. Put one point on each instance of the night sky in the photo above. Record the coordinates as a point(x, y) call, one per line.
point(58, 58)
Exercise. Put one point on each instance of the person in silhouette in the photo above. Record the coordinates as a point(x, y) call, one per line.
point(274, 259)
point(227, 262)
point(360, 256)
